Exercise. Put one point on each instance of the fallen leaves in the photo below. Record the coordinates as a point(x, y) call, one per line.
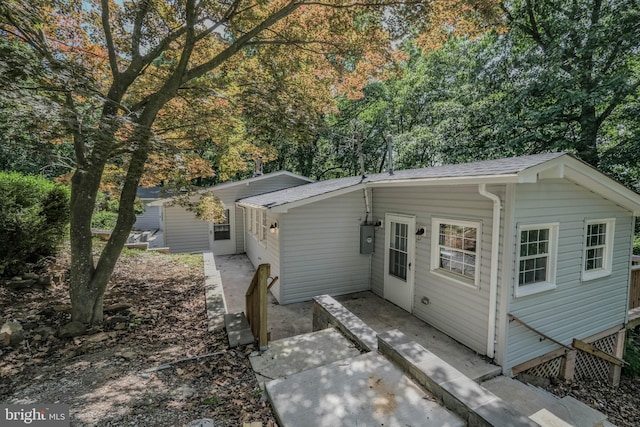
point(160, 300)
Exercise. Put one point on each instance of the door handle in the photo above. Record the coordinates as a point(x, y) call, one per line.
point(409, 266)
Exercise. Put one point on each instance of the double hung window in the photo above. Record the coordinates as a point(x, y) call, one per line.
point(537, 253)
point(598, 248)
point(456, 249)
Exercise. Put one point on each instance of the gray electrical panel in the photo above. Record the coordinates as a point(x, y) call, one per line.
point(366, 238)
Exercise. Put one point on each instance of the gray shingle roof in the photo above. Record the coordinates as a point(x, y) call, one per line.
point(507, 166)
point(149, 192)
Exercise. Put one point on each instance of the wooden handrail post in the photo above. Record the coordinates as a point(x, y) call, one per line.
point(256, 304)
point(264, 274)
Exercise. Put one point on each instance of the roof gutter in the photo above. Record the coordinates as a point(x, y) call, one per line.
point(493, 278)
point(460, 180)
point(284, 207)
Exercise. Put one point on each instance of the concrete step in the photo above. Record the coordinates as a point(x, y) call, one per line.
point(299, 353)
point(471, 401)
point(365, 390)
point(238, 329)
point(214, 296)
point(531, 400)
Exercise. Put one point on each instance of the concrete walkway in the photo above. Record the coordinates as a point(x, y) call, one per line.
point(321, 379)
point(284, 321)
point(296, 319)
point(366, 390)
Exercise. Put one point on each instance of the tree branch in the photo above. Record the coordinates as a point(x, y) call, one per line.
point(76, 130)
point(108, 36)
point(241, 41)
point(615, 101)
point(136, 35)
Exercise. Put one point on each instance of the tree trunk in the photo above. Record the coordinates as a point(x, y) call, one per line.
point(89, 279)
point(83, 291)
point(587, 147)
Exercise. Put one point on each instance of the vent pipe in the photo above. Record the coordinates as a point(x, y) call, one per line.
point(257, 166)
point(356, 135)
point(390, 153)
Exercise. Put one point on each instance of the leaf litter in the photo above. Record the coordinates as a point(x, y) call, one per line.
point(154, 315)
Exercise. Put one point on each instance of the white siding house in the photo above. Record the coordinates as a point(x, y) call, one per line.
point(184, 232)
point(545, 238)
point(150, 219)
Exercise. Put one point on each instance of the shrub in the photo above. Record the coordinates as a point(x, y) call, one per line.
point(105, 213)
point(104, 220)
point(34, 215)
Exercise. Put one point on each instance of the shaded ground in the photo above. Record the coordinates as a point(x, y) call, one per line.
point(103, 375)
point(621, 404)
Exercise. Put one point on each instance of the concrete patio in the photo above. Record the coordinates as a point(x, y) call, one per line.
point(290, 320)
point(372, 363)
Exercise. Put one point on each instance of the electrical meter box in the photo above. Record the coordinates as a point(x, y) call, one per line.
point(366, 238)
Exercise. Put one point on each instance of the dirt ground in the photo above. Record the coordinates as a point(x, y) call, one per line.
point(155, 314)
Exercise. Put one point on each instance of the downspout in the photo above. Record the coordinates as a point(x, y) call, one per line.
point(493, 279)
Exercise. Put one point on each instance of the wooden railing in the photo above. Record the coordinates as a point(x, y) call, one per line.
point(634, 287)
point(256, 305)
point(575, 345)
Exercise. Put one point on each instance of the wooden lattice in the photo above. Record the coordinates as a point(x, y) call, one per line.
point(548, 369)
point(589, 366)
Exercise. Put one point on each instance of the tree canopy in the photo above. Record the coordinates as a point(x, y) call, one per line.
point(563, 76)
point(177, 90)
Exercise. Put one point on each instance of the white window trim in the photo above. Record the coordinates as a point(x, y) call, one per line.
point(263, 226)
point(227, 223)
point(550, 283)
point(256, 223)
point(608, 250)
point(435, 252)
point(250, 217)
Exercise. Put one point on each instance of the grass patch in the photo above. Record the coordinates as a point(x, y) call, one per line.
point(192, 260)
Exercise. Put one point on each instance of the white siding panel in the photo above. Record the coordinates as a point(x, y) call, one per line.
point(266, 252)
point(184, 232)
point(458, 310)
point(233, 193)
point(321, 249)
point(273, 255)
point(575, 309)
point(149, 219)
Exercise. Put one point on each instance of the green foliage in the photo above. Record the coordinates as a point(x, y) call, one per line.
point(105, 214)
point(104, 202)
point(34, 214)
point(104, 220)
point(632, 354)
point(208, 207)
point(29, 143)
point(565, 76)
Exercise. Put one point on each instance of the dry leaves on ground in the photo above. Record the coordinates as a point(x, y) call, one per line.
point(156, 314)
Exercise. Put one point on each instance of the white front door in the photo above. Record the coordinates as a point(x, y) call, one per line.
point(399, 248)
point(222, 236)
